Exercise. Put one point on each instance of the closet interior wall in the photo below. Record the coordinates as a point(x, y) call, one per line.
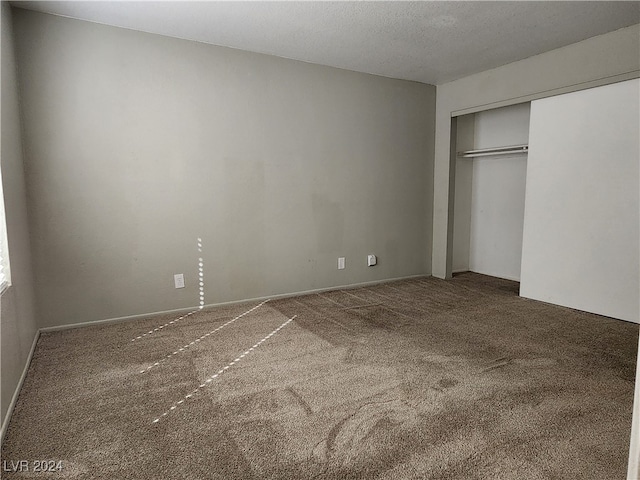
point(489, 193)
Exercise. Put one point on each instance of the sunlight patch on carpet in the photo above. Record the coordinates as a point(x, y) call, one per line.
point(222, 370)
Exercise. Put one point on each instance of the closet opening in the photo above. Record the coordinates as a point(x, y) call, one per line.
point(490, 176)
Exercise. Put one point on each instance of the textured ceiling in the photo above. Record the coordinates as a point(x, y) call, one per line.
point(431, 42)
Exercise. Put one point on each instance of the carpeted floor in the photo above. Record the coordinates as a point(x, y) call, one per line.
point(414, 379)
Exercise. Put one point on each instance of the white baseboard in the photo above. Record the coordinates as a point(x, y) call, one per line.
point(90, 323)
point(16, 393)
point(221, 304)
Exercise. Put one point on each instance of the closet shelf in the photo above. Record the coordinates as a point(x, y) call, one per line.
point(485, 152)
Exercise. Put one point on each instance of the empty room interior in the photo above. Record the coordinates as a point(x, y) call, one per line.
point(320, 240)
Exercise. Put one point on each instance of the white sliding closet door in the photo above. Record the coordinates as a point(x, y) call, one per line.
point(580, 243)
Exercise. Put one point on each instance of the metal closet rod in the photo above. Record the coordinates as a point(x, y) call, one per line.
point(485, 152)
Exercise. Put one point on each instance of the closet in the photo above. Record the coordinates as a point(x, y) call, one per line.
point(490, 191)
point(564, 217)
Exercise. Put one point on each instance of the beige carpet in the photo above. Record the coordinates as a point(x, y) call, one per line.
point(414, 379)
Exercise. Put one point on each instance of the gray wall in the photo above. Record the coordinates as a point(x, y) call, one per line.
point(596, 61)
point(17, 313)
point(136, 145)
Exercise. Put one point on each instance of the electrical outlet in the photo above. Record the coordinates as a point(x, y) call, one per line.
point(340, 263)
point(371, 260)
point(178, 280)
